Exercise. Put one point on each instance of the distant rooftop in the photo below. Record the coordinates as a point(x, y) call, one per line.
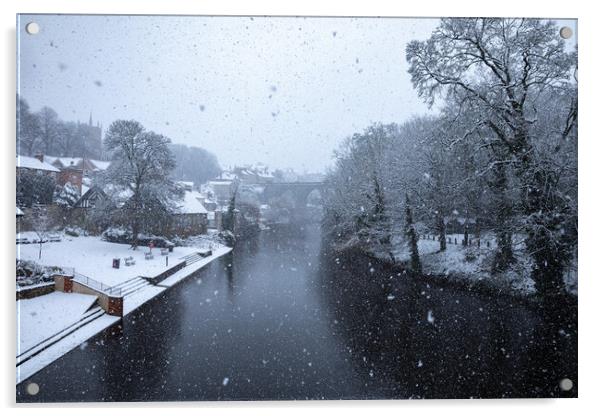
point(27, 162)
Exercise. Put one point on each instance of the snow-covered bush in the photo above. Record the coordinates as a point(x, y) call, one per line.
point(31, 273)
point(124, 236)
point(75, 231)
point(471, 255)
point(227, 238)
point(178, 241)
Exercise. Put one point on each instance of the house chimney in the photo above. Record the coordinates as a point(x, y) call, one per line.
point(40, 157)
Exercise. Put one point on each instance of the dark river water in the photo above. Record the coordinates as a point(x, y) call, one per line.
point(283, 318)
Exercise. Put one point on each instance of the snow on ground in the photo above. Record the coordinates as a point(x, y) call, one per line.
point(58, 307)
point(187, 271)
point(137, 299)
point(470, 264)
point(93, 257)
point(41, 317)
point(55, 351)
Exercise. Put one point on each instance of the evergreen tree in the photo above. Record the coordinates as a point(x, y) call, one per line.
point(66, 196)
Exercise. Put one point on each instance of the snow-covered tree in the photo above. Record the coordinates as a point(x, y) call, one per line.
point(34, 189)
point(66, 196)
point(142, 164)
point(357, 208)
point(501, 67)
point(229, 218)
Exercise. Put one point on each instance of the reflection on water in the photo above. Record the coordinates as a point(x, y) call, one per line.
point(433, 341)
point(281, 318)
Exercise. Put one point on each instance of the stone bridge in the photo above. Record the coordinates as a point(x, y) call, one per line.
point(298, 190)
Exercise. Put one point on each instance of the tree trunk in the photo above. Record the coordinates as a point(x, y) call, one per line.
point(545, 211)
point(135, 223)
point(410, 231)
point(440, 227)
point(504, 255)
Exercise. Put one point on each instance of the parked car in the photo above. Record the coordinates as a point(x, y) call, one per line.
point(160, 242)
point(54, 238)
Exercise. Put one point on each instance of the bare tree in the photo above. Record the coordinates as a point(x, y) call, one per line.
point(49, 125)
point(40, 225)
point(28, 129)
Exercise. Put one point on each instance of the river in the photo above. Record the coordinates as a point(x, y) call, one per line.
point(281, 317)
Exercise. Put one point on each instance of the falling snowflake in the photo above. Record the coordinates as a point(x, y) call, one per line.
point(430, 318)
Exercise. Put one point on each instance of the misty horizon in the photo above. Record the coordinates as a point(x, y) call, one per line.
point(284, 91)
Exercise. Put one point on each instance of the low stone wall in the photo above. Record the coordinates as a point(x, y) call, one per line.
point(161, 277)
point(113, 305)
point(28, 293)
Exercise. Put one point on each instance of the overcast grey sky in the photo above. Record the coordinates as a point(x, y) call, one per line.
point(279, 90)
point(283, 91)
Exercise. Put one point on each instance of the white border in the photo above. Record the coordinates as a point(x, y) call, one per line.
point(589, 196)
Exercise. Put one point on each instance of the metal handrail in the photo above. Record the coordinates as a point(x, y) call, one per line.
point(95, 284)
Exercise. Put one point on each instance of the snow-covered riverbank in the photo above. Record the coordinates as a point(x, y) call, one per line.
point(470, 266)
point(73, 323)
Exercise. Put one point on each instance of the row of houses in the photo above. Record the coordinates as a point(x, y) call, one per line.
point(190, 216)
point(202, 206)
point(73, 170)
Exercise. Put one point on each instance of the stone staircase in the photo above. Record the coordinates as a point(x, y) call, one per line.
point(131, 286)
point(92, 314)
point(194, 257)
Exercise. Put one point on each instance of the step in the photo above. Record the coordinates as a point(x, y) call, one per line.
point(134, 285)
point(135, 289)
point(88, 317)
point(130, 286)
point(193, 258)
point(127, 283)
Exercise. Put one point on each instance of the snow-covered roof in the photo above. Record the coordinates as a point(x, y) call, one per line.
point(100, 164)
point(64, 161)
point(191, 203)
point(27, 162)
point(225, 175)
point(219, 183)
point(19, 212)
point(118, 194)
